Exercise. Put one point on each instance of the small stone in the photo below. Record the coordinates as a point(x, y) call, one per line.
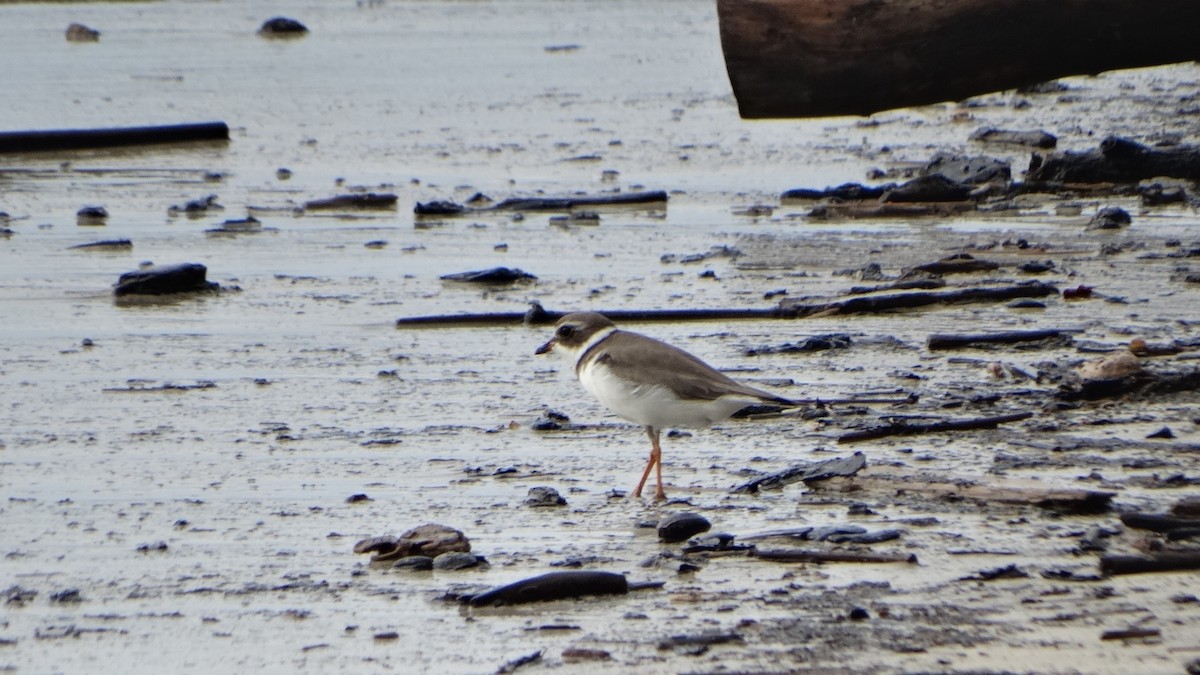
point(456, 560)
point(78, 32)
point(859, 614)
point(356, 498)
point(1118, 364)
point(91, 215)
point(1110, 218)
point(682, 526)
point(65, 596)
point(281, 25)
point(543, 496)
point(1164, 432)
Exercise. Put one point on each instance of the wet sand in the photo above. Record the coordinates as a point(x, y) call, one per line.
point(207, 527)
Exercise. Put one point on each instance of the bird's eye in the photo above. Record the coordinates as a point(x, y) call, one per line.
point(566, 331)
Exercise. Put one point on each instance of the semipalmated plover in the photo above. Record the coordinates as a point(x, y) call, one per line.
point(649, 382)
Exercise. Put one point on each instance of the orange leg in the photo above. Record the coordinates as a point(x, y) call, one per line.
point(654, 461)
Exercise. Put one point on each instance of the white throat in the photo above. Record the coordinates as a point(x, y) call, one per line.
point(576, 354)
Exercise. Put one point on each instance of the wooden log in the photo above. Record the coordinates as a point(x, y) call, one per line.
point(947, 341)
point(909, 429)
point(882, 303)
point(1159, 522)
point(805, 555)
point(77, 139)
point(788, 309)
point(1116, 160)
point(368, 200)
point(815, 58)
point(1063, 500)
point(1166, 561)
point(807, 472)
point(620, 199)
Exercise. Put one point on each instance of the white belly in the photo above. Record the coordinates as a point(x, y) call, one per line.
point(655, 406)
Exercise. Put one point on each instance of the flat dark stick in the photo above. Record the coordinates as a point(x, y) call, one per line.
point(906, 429)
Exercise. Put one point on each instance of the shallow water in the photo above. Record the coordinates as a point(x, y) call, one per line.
point(317, 396)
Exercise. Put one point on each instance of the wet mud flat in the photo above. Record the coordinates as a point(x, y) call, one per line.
point(186, 477)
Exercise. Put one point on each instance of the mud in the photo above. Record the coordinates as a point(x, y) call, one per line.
point(185, 477)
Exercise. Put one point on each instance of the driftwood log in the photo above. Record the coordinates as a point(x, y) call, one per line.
point(788, 309)
point(912, 428)
point(816, 58)
point(1116, 160)
point(76, 139)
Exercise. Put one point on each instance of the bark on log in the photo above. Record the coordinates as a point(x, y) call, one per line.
point(802, 555)
point(1157, 562)
point(905, 429)
point(1065, 500)
point(945, 341)
point(446, 209)
point(811, 471)
point(1116, 160)
point(815, 58)
point(788, 309)
point(881, 303)
point(76, 139)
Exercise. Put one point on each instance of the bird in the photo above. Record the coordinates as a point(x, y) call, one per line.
point(649, 382)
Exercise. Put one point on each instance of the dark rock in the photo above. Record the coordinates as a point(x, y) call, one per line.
point(1110, 218)
point(553, 586)
point(165, 279)
point(66, 596)
point(551, 420)
point(91, 215)
point(931, 188)
point(859, 614)
point(1157, 195)
point(969, 170)
point(1011, 571)
point(1034, 139)
point(456, 560)
point(78, 32)
point(428, 540)
point(851, 192)
point(247, 225)
point(959, 263)
point(282, 26)
point(1036, 266)
point(1188, 506)
point(495, 275)
point(157, 546)
point(815, 343)
point(197, 207)
point(543, 496)
point(682, 526)
point(714, 541)
point(414, 563)
point(1164, 432)
point(358, 498)
point(18, 596)
point(439, 208)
